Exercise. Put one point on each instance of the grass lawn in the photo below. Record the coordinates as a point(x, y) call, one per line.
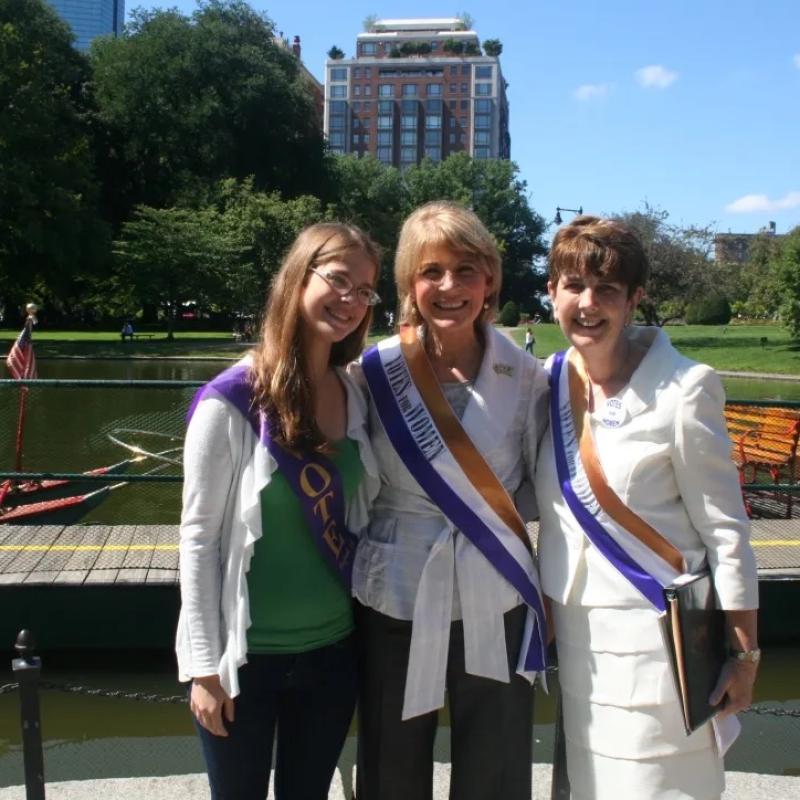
point(736, 348)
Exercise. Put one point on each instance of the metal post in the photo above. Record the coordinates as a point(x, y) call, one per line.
point(27, 669)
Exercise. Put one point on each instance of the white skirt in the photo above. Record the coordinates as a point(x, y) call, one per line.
point(622, 718)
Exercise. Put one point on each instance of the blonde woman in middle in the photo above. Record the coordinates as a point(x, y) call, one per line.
point(445, 581)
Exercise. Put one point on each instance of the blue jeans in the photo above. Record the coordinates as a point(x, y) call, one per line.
point(310, 697)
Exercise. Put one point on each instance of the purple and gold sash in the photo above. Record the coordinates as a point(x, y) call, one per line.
point(640, 554)
point(314, 479)
point(440, 456)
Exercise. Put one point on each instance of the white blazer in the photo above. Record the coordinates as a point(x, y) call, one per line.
point(670, 462)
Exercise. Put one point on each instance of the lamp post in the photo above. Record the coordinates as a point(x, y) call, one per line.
point(558, 220)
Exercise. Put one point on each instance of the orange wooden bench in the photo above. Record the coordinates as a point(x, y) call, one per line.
point(764, 439)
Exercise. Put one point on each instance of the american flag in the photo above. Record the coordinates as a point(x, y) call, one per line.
point(21, 361)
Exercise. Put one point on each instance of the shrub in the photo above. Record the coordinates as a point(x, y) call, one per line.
point(712, 310)
point(509, 315)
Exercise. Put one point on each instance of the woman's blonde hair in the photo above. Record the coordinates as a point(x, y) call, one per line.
point(280, 375)
point(443, 223)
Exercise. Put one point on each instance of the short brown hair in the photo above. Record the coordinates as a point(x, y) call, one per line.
point(602, 247)
point(442, 223)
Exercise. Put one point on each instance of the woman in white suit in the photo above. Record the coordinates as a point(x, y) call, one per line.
point(656, 420)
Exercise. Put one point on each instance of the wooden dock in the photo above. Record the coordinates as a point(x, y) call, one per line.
point(148, 554)
point(117, 587)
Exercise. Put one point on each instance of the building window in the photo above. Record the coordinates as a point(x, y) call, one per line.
point(366, 106)
point(336, 138)
point(408, 106)
point(365, 138)
point(453, 88)
point(356, 72)
point(433, 121)
point(408, 137)
point(338, 90)
point(433, 137)
point(356, 104)
point(481, 152)
point(483, 89)
point(465, 68)
point(368, 90)
point(434, 106)
point(357, 89)
point(482, 137)
point(339, 74)
point(384, 121)
point(408, 121)
point(433, 153)
point(384, 137)
point(408, 154)
point(386, 90)
point(453, 69)
point(336, 121)
point(409, 90)
point(452, 138)
point(483, 72)
point(464, 105)
point(434, 90)
point(356, 123)
point(483, 106)
point(385, 106)
point(463, 138)
point(355, 138)
point(464, 88)
point(483, 121)
point(384, 154)
point(367, 72)
point(338, 106)
point(434, 46)
point(368, 48)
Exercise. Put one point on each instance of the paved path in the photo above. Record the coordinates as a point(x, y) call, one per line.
point(740, 786)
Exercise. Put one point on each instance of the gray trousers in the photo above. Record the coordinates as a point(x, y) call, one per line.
point(491, 722)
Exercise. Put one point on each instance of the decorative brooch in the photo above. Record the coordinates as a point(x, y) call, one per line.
point(504, 369)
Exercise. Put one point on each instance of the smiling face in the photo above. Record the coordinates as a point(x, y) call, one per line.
point(450, 289)
point(592, 310)
point(325, 313)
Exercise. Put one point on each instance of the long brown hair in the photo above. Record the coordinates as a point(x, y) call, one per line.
point(281, 384)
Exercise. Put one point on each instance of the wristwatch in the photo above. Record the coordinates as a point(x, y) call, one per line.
point(750, 656)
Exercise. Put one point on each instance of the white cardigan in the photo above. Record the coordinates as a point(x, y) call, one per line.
point(225, 470)
point(670, 462)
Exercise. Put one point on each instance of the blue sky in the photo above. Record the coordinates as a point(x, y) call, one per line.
point(692, 106)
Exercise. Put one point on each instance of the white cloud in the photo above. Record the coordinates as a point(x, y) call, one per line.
point(655, 77)
point(796, 60)
point(750, 203)
point(591, 91)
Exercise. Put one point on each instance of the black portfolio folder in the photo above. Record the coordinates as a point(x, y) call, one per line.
point(695, 635)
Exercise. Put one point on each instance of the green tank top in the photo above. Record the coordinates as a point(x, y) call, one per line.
point(297, 602)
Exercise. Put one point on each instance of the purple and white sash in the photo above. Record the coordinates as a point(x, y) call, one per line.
point(424, 451)
point(314, 479)
point(635, 561)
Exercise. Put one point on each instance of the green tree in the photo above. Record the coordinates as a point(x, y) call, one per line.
point(336, 53)
point(50, 231)
point(787, 274)
point(167, 257)
point(493, 47)
point(681, 268)
point(759, 296)
point(187, 101)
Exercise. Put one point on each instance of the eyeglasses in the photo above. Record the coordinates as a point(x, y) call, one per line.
point(343, 286)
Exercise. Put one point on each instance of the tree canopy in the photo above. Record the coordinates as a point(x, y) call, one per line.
point(48, 192)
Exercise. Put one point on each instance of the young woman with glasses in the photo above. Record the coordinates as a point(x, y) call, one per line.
point(278, 474)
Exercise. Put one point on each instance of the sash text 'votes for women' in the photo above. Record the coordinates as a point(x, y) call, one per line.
point(416, 415)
